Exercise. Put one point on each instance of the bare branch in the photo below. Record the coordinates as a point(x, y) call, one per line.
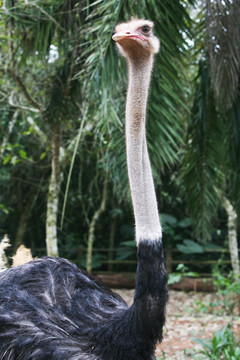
point(24, 90)
point(21, 107)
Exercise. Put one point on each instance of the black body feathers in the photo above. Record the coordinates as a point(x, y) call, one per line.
point(51, 310)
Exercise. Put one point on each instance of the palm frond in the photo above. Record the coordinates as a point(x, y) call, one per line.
point(223, 38)
point(104, 74)
point(41, 24)
point(232, 123)
point(204, 157)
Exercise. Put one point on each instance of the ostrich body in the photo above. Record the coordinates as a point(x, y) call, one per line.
point(51, 310)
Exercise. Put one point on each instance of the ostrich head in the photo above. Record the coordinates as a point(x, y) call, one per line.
point(136, 39)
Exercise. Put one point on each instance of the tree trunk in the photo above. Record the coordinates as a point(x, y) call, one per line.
point(24, 217)
point(111, 243)
point(8, 133)
point(94, 220)
point(53, 194)
point(232, 237)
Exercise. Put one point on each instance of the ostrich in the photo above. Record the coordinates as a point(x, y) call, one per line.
point(49, 308)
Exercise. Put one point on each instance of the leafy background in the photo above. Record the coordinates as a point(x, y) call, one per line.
point(63, 80)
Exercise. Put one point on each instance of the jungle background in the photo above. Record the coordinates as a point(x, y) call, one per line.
point(63, 179)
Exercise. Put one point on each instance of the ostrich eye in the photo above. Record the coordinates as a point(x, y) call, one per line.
point(146, 29)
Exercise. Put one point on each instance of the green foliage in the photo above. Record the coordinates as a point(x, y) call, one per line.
point(42, 24)
point(83, 86)
point(228, 287)
point(15, 154)
point(4, 209)
point(174, 230)
point(200, 307)
point(163, 357)
point(223, 36)
point(233, 146)
point(107, 90)
point(126, 250)
point(182, 271)
point(202, 169)
point(96, 261)
point(223, 345)
point(211, 159)
point(190, 247)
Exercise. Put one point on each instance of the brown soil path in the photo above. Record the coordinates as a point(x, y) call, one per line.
point(190, 315)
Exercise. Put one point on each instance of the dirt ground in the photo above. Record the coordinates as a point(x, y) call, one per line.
point(190, 315)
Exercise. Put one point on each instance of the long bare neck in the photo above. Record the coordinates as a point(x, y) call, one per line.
point(139, 169)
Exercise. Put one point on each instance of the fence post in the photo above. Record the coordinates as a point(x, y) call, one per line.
point(169, 259)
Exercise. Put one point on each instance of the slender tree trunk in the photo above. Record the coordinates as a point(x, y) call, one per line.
point(9, 131)
point(92, 226)
point(53, 194)
point(232, 237)
point(111, 243)
point(24, 217)
point(10, 30)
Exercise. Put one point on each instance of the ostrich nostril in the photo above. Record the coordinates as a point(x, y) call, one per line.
point(128, 32)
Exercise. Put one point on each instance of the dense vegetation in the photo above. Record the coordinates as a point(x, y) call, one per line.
point(63, 175)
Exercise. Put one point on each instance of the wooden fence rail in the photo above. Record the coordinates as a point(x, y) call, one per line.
point(173, 256)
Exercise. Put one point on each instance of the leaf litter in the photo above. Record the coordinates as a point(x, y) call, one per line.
point(190, 315)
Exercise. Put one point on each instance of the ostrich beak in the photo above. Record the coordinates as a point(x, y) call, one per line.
point(125, 36)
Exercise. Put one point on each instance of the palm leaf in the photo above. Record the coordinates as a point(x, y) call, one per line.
point(104, 75)
point(204, 158)
point(223, 38)
point(232, 125)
